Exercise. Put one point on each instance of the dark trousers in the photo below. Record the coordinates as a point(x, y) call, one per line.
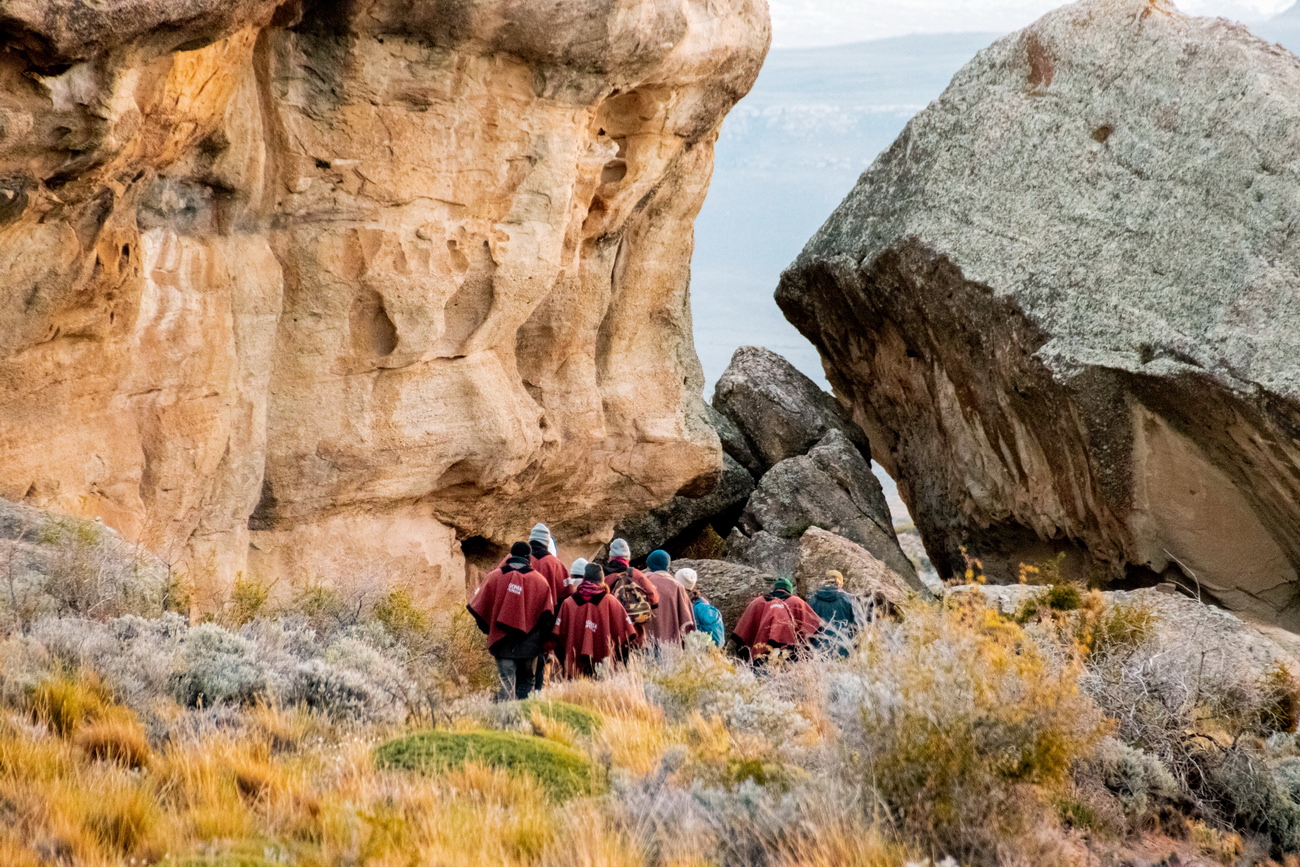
point(539, 673)
point(516, 678)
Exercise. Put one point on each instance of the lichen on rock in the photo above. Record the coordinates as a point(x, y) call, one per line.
point(1063, 306)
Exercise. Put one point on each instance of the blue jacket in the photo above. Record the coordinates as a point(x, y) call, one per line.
point(709, 620)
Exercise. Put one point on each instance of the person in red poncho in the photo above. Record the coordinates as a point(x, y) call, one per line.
point(674, 617)
point(515, 608)
point(541, 548)
point(776, 620)
point(541, 551)
point(592, 627)
point(618, 569)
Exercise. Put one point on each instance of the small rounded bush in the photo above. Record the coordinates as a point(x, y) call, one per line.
point(561, 771)
point(582, 720)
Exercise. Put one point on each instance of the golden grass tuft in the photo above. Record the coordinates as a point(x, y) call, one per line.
point(64, 703)
point(117, 736)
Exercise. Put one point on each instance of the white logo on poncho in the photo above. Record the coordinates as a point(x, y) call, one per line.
point(591, 624)
point(517, 589)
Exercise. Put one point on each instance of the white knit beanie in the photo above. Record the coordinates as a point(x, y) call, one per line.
point(578, 569)
point(620, 548)
point(541, 533)
point(687, 578)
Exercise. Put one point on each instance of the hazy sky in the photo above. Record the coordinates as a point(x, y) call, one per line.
point(805, 23)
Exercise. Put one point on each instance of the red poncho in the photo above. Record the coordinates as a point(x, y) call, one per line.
point(776, 621)
point(591, 628)
point(552, 570)
point(511, 600)
point(674, 617)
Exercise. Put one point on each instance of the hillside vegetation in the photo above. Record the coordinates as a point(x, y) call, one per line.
point(330, 730)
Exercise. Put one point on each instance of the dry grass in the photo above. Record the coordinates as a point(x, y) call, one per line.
point(953, 731)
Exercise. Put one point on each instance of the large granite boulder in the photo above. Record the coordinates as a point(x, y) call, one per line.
point(680, 520)
point(831, 487)
point(776, 555)
point(780, 412)
point(729, 586)
point(864, 573)
point(1063, 305)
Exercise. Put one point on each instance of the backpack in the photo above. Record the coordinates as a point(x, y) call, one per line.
point(634, 599)
point(708, 620)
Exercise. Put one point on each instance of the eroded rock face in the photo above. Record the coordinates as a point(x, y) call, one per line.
point(1063, 305)
point(310, 287)
point(682, 518)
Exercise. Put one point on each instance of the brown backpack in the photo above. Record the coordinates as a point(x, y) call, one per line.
point(633, 598)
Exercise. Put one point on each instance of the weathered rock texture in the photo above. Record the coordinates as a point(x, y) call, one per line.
point(680, 521)
point(864, 573)
point(775, 410)
point(341, 283)
point(1063, 305)
point(729, 586)
point(831, 487)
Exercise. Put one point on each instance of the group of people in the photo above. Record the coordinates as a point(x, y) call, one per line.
point(533, 609)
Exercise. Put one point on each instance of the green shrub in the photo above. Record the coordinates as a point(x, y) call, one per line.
point(1077, 814)
point(1054, 598)
point(1137, 779)
point(583, 721)
point(404, 620)
point(1107, 627)
point(963, 727)
point(1248, 791)
point(561, 771)
point(247, 600)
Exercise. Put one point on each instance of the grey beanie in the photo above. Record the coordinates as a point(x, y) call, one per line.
point(620, 548)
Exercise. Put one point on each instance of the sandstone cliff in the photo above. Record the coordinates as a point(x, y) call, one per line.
point(1064, 305)
point(310, 287)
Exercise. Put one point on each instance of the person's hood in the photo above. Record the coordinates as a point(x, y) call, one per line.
point(827, 594)
point(589, 591)
point(517, 564)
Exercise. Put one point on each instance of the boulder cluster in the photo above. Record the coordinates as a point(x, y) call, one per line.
point(797, 496)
